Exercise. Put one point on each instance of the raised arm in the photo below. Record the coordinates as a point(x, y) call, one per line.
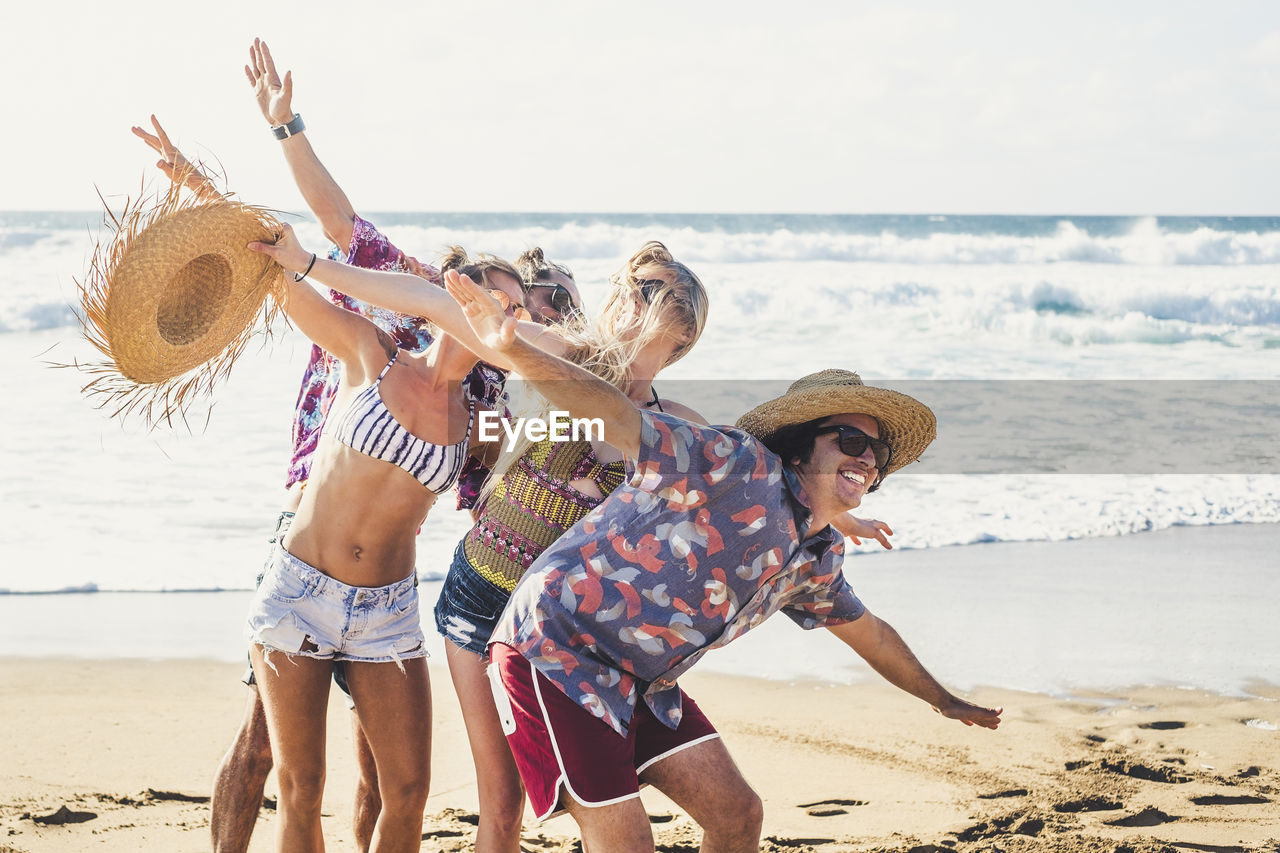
point(402, 292)
point(879, 645)
point(320, 191)
point(352, 339)
point(178, 168)
point(579, 392)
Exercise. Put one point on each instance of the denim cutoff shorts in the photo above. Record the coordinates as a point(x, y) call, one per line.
point(299, 610)
point(468, 608)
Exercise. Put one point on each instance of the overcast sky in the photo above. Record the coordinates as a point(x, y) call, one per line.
point(948, 107)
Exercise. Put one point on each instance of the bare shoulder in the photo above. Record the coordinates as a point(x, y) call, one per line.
point(376, 348)
point(680, 410)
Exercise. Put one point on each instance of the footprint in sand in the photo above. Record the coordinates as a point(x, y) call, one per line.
point(829, 808)
point(1150, 816)
point(62, 817)
point(1012, 792)
point(1088, 804)
point(1225, 800)
point(1021, 822)
point(174, 797)
point(1133, 769)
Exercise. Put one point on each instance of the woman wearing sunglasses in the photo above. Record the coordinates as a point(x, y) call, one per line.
point(655, 312)
point(550, 293)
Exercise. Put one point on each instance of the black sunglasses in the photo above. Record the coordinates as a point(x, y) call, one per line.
point(854, 442)
point(561, 298)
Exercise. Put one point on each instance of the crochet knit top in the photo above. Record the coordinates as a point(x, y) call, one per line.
point(533, 505)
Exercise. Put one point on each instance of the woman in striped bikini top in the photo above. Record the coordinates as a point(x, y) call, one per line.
point(368, 426)
point(655, 312)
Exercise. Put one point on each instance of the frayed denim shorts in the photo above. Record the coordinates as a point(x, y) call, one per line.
point(468, 608)
point(299, 610)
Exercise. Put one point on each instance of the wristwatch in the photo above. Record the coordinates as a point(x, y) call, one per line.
point(294, 127)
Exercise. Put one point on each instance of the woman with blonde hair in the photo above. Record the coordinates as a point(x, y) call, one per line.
point(340, 588)
point(655, 312)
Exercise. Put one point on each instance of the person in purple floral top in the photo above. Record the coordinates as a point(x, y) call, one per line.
point(241, 776)
point(716, 529)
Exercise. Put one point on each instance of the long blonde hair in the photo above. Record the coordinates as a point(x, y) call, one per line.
point(651, 278)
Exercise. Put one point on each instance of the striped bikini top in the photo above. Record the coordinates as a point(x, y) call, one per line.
point(369, 427)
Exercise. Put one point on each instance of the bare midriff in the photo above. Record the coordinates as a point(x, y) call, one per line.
point(358, 518)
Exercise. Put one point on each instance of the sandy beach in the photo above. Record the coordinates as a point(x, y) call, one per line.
point(128, 747)
point(113, 735)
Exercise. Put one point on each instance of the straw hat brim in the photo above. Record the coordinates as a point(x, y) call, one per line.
point(185, 288)
point(907, 424)
point(174, 296)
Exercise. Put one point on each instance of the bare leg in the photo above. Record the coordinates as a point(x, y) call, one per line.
point(241, 777)
point(497, 780)
point(295, 695)
point(367, 802)
point(704, 781)
point(395, 713)
point(620, 828)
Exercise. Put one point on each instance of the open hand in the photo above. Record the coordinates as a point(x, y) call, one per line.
point(869, 528)
point(286, 251)
point(179, 169)
point(970, 714)
point(274, 96)
point(487, 318)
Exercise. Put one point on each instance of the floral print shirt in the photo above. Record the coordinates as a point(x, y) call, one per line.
point(371, 249)
point(697, 548)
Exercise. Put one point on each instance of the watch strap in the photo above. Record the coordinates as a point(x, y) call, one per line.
point(294, 127)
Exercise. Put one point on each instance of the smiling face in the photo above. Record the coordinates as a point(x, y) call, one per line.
point(834, 481)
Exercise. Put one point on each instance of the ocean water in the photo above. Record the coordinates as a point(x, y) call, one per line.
point(1097, 334)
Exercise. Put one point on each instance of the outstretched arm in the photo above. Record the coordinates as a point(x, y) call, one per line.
point(857, 529)
point(402, 292)
point(579, 392)
point(320, 191)
point(352, 339)
point(879, 644)
point(178, 168)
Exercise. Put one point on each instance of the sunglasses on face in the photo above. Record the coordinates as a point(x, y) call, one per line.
point(561, 299)
point(854, 442)
point(509, 305)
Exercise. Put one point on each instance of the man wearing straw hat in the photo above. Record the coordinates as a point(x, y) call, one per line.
point(717, 529)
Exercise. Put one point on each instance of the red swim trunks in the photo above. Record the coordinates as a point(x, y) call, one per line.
point(557, 742)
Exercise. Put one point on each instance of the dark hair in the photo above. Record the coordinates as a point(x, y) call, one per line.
point(534, 267)
point(794, 443)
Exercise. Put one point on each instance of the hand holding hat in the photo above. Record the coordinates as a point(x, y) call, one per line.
point(174, 293)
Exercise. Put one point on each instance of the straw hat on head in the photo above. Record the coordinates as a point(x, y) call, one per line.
point(906, 423)
point(172, 299)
